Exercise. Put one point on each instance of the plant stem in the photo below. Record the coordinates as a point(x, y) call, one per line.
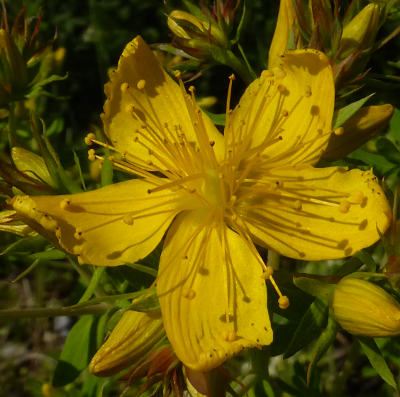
point(11, 314)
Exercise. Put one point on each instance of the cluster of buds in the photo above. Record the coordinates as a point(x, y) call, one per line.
point(25, 63)
point(204, 34)
point(348, 41)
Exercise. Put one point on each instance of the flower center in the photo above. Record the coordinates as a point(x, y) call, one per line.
point(212, 188)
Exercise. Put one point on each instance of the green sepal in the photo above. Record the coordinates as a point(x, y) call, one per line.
point(314, 287)
point(342, 115)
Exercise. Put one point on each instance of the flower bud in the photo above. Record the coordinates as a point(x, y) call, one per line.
point(363, 308)
point(32, 165)
point(194, 35)
point(135, 335)
point(359, 34)
point(361, 127)
point(285, 24)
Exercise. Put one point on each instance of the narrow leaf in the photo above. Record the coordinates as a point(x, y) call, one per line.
point(76, 352)
point(376, 359)
point(310, 326)
point(343, 114)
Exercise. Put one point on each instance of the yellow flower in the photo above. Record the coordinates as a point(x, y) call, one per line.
point(217, 195)
point(363, 308)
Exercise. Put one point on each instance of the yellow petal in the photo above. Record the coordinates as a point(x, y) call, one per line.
point(284, 25)
point(213, 299)
point(106, 227)
point(142, 97)
point(286, 114)
point(313, 213)
point(135, 335)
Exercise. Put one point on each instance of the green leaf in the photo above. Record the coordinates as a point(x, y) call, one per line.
point(379, 162)
point(314, 287)
point(367, 260)
point(324, 341)
point(388, 149)
point(376, 359)
point(310, 326)
point(342, 115)
point(75, 355)
point(217, 119)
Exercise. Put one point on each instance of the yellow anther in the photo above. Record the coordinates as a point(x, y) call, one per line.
point(282, 89)
point(267, 74)
point(78, 234)
point(89, 138)
point(65, 203)
point(91, 155)
point(308, 92)
point(124, 87)
point(128, 219)
point(192, 89)
point(283, 302)
point(232, 77)
point(177, 74)
point(188, 293)
point(141, 84)
point(344, 206)
point(339, 131)
point(297, 205)
point(129, 108)
point(285, 113)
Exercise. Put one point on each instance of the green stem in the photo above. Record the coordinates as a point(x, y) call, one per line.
point(234, 62)
point(11, 125)
point(11, 314)
point(273, 259)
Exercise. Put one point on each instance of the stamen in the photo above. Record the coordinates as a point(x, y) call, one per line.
point(339, 131)
point(90, 138)
point(91, 155)
point(65, 203)
point(141, 84)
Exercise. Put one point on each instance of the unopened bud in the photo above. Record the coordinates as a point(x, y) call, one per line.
point(31, 165)
point(363, 308)
point(359, 34)
point(285, 25)
point(134, 336)
point(366, 123)
point(194, 33)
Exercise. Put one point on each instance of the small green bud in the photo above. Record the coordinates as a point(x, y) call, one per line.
point(194, 35)
point(363, 308)
point(359, 34)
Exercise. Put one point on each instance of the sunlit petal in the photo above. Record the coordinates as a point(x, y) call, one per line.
point(106, 227)
point(145, 107)
point(213, 299)
point(317, 213)
point(286, 114)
